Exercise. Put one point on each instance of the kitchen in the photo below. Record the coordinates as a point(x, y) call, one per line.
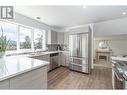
point(46, 56)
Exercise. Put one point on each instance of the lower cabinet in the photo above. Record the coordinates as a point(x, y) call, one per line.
point(4, 84)
point(65, 59)
point(45, 58)
point(36, 79)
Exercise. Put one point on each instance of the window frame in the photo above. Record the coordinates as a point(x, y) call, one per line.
point(18, 50)
point(24, 50)
point(42, 42)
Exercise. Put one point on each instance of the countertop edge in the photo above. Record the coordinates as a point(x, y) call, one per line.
point(22, 72)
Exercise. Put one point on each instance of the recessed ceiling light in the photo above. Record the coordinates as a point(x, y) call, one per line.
point(124, 13)
point(84, 6)
point(38, 17)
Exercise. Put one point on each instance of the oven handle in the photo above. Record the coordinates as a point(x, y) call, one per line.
point(119, 77)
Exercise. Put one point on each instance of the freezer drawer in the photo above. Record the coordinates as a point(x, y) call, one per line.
point(78, 67)
point(79, 61)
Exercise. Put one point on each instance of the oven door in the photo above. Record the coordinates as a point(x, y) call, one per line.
point(119, 81)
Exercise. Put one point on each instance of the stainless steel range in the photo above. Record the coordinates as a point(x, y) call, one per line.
point(119, 74)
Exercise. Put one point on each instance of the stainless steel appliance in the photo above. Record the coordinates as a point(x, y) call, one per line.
point(53, 61)
point(78, 52)
point(119, 74)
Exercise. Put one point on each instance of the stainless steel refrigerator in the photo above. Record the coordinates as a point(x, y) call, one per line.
point(78, 52)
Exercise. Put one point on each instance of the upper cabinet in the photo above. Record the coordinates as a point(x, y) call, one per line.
point(53, 37)
point(60, 37)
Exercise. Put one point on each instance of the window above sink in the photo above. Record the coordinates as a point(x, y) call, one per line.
point(22, 38)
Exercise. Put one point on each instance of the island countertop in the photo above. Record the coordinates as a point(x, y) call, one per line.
point(15, 65)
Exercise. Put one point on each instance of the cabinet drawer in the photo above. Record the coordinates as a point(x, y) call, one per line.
point(4, 84)
point(36, 79)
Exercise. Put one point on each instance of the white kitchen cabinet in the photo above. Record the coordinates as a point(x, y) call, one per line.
point(53, 37)
point(66, 38)
point(60, 37)
point(45, 58)
point(4, 84)
point(35, 79)
point(65, 59)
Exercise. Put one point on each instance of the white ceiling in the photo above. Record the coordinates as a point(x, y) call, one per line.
point(69, 16)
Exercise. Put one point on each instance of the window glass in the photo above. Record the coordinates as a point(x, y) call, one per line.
point(25, 37)
point(9, 30)
point(39, 39)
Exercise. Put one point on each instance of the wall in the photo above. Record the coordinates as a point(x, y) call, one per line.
point(111, 27)
point(74, 30)
point(119, 46)
point(32, 23)
point(113, 30)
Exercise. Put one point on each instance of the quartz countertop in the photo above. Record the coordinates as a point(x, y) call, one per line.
point(14, 65)
point(43, 53)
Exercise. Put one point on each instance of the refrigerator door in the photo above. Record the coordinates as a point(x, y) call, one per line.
point(73, 45)
point(83, 46)
point(78, 46)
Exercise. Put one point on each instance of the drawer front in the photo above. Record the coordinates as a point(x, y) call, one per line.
point(76, 67)
point(4, 84)
point(36, 79)
point(79, 61)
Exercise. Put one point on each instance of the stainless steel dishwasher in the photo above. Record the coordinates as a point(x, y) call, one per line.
point(53, 61)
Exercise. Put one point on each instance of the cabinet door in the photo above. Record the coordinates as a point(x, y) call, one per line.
point(35, 79)
point(60, 59)
point(46, 57)
point(4, 84)
point(67, 59)
point(60, 37)
point(63, 59)
point(53, 37)
point(38, 57)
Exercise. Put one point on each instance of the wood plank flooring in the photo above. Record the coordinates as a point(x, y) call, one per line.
point(63, 78)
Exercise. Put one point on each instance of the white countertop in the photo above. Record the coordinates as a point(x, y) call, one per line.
point(119, 58)
point(44, 53)
point(15, 65)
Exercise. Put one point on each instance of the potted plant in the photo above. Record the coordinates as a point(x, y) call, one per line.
point(3, 44)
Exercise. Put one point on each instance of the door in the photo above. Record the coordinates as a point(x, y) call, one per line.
point(73, 45)
point(83, 46)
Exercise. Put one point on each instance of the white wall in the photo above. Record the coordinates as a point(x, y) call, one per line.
point(111, 27)
point(115, 31)
point(29, 22)
point(21, 19)
point(118, 46)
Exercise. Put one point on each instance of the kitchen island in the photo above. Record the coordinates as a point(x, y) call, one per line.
point(19, 72)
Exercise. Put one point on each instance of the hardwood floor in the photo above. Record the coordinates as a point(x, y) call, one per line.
point(63, 78)
point(103, 63)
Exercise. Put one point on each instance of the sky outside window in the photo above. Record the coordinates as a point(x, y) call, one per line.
point(10, 31)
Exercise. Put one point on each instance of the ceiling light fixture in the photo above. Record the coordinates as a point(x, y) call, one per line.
point(124, 13)
point(38, 17)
